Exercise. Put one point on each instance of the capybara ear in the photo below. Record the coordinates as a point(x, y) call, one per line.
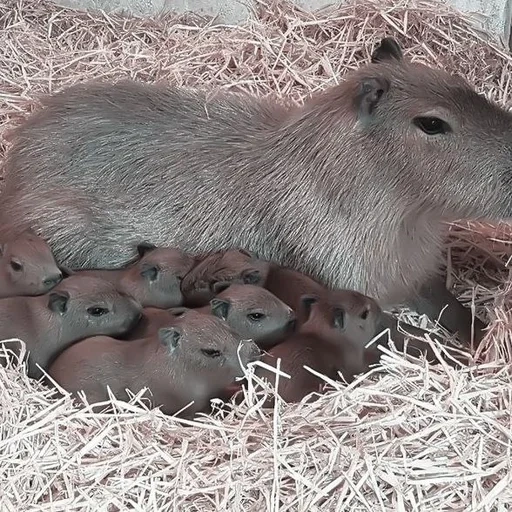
point(388, 49)
point(220, 286)
point(248, 253)
point(307, 301)
point(144, 247)
point(170, 337)
point(58, 302)
point(66, 272)
point(339, 318)
point(371, 91)
point(220, 308)
point(251, 276)
point(177, 311)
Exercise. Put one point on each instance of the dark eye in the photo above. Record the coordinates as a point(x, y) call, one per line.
point(211, 352)
point(364, 314)
point(432, 125)
point(150, 273)
point(16, 266)
point(97, 311)
point(255, 317)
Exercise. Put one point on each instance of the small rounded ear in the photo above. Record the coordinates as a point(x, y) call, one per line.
point(248, 253)
point(220, 308)
point(66, 272)
point(170, 337)
point(388, 49)
point(220, 286)
point(58, 301)
point(307, 301)
point(371, 91)
point(251, 276)
point(144, 247)
point(177, 311)
point(338, 318)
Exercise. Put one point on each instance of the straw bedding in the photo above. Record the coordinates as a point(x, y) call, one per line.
point(411, 437)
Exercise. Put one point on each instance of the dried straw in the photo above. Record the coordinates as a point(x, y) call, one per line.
point(412, 437)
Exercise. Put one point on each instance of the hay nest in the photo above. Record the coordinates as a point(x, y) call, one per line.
point(412, 437)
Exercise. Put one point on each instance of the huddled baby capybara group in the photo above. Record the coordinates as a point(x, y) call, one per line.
point(183, 326)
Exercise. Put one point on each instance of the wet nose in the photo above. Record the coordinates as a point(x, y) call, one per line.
point(53, 280)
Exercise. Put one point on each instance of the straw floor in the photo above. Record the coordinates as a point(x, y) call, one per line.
point(412, 437)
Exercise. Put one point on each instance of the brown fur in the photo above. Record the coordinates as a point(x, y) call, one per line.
point(78, 307)
point(332, 340)
point(27, 266)
point(154, 280)
point(171, 364)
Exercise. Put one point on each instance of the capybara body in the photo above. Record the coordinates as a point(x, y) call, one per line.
point(154, 280)
point(251, 311)
point(351, 188)
point(27, 266)
point(216, 270)
point(332, 340)
point(78, 307)
point(194, 359)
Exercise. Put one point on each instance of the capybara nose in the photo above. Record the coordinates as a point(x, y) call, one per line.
point(53, 280)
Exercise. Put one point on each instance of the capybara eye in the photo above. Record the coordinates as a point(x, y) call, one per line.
point(97, 311)
point(211, 352)
point(432, 125)
point(364, 314)
point(150, 273)
point(16, 266)
point(256, 317)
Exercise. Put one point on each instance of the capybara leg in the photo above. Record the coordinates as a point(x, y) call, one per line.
point(438, 303)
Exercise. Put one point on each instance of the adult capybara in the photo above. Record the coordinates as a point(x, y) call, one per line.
point(78, 307)
point(154, 279)
point(352, 188)
point(27, 266)
point(195, 359)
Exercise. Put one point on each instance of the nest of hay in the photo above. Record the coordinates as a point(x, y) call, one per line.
point(411, 437)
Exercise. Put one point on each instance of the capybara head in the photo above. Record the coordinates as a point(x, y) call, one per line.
point(233, 266)
point(155, 278)
point(207, 347)
point(347, 319)
point(253, 312)
point(445, 149)
point(27, 266)
point(89, 306)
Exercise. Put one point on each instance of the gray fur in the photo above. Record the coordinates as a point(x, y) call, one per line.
point(355, 197)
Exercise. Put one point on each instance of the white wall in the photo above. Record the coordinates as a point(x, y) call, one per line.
point(494, 16)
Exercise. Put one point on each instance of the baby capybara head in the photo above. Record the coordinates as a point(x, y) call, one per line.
point(347, 319)
point(89, 306)
point(155, 279)
point(253, 312)
point(207, 347)
point(215, 270)
point(27, 266)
